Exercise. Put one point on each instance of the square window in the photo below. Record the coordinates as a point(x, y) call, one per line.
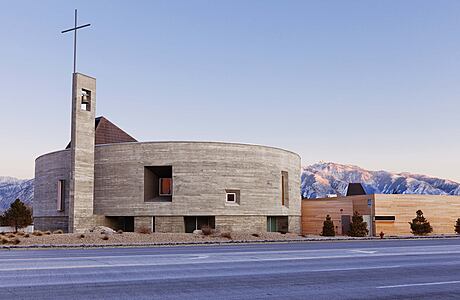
point(231, 197)
point(158, 184)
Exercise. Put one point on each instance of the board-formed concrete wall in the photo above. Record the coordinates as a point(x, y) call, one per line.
point(49, 169)
point(202, 172)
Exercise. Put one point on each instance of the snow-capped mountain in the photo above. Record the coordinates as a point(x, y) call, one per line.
point(321, 179)
point(317, 180)
point(12, 189)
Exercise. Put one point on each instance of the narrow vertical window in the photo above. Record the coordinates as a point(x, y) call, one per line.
point(284, 188)
point(60, 195)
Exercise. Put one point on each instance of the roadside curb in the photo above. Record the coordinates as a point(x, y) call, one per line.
point(229, 242)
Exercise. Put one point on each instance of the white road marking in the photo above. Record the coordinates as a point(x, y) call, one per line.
point(154, 264)
point(363, 251)
point(417, 284)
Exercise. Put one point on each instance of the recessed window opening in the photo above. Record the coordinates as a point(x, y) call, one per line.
point(85, 100)
point(60, 195)
point(385, 218)
point(284, 188)
point(158, 184)
point(232, 196)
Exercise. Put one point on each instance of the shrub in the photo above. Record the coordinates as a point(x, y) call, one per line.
point(82, 236)
point(420, 225)
point(144, 230)
point(37, 233)
point(15, 241)
point(26, 235)
point(11, 235)
point(457, 226)
point(226, 235)
point(328, 227)
point(20, 233)
point(4, 240)
point(59, 231)
point(119, 231)
point(48, 232)
point(105, 237)
point(206, 230)
point(358, 227)
point(255, 234)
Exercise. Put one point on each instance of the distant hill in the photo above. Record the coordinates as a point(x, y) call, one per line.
point(321, 179)
point(13, 188)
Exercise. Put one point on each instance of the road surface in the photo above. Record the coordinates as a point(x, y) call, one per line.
point(397, 269)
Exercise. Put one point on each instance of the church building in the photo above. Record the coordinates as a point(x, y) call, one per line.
point(106, 177)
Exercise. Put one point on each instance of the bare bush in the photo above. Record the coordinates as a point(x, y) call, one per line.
point(144, 230)
point(206, 230)
point(227, 235)
point(37, 233)
point(47, 232)
point(255, 234)
point(59, 231)
point(120, 231)
point(105, 237)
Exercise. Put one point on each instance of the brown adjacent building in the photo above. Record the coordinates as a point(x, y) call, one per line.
point(388, 213)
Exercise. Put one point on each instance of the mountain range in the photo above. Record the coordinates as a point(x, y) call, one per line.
point(13, 188)
point(317, 181)
point(325, 178)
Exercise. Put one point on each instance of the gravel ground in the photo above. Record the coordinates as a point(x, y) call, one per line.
point(131, 238)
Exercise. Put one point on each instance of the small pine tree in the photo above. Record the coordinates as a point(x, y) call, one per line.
point(358, 227)
point(457, 226)
point(328, 227)
point(18, 215)
point(420, 225)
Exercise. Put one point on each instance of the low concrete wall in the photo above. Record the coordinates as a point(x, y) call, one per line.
point(28, 229)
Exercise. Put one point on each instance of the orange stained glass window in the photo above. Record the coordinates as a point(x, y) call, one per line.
point(165, 186)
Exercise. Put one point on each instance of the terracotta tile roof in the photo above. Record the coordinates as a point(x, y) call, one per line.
point(109, 133)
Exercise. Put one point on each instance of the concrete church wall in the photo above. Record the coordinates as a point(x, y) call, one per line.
point(49, 169)
point(202, 171)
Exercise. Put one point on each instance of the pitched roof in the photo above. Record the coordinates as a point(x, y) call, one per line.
point(109, 133)
point(355, 189)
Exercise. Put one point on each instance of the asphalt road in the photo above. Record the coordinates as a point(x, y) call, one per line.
point(398, 269)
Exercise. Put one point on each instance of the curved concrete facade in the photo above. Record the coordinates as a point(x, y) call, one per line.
point(202, 174)
point(49, 169)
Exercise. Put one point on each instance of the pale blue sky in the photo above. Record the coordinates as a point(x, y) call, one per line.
point(371, 83)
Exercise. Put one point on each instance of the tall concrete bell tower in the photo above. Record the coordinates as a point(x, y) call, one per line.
point(81, 202)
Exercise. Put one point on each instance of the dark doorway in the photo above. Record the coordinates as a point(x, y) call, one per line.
point(125, 223)
point(345, 224)
point(195, 222)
